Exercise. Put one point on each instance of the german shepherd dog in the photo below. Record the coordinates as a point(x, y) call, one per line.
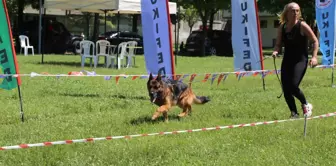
point(167, 93)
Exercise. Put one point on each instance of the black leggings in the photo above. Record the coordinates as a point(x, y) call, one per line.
point(291, 76)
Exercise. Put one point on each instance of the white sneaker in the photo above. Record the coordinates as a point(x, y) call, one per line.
point(307, 109)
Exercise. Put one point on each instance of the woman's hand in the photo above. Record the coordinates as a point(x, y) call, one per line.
point(275, 54)
point(313, 61)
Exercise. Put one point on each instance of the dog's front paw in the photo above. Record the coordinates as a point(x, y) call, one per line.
point(183, 114)
point(155, 115)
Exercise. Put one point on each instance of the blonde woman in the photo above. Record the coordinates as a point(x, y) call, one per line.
point(294, 34)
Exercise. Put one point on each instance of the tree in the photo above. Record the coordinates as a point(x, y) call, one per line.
point(276, 6)
point(190, 16)
point(12, 10)
point(15, 8)
point(87, 17)
point(11, 7)
point(95, 27)
point(203, 8)
point(218, 5)
point(19, 7)
point(206, 10)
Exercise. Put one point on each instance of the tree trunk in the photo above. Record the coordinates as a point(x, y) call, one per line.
point(95, 27)
point(19, 24)
point(20, 14)
point(205, 32)
point(204, 14)
point(211, 20)
point(87, 25)
point(135, 23)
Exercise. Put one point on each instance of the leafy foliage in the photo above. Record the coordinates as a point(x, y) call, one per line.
point(11, 6)
point(276, 6)
point(190, 16)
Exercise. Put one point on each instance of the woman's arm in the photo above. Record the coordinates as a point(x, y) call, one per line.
point(307, 31)
point(278, 41)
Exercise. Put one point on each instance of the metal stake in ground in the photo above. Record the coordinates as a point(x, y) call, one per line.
point(21, 108)
point(305, 126)
point(332, 77)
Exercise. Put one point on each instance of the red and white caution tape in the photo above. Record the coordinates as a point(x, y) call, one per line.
point(94, 74)
point(45, 144)
point(84, 73)
point(325, 66)
point(207, 76)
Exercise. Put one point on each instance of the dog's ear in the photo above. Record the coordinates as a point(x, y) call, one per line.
point(158, 78)
point(150, 76)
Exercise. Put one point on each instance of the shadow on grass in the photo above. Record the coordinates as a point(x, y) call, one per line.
point(129, 97)
point(80, 95)
point(148, 119)
point(59, 63)
point(110, 96)
point(77, 64)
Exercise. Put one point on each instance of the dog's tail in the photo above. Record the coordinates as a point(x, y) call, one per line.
point(201, 99)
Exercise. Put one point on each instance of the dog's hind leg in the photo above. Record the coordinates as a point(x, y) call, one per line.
point(186, 111)
point(189, 110)
point(165, 115)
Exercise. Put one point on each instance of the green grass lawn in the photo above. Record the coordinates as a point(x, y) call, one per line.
point(76, 108)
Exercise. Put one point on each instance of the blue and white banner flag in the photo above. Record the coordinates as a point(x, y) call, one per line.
point(325, 18)
point(157, 37)
point(245, 36)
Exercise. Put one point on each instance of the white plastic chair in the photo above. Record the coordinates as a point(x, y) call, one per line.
point(24, 43)
point(88, 51)
point(122, 49)
point(102, 49)
point(131, 52)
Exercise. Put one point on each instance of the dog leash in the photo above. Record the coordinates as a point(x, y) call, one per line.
point(256, 62)
point(276, 72)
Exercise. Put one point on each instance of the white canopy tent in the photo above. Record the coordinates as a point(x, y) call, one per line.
point(102, 6)
point(99, 6)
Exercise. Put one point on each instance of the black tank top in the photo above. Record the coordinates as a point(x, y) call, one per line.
point(296, 45)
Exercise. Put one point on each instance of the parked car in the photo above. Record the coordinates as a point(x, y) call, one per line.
point(58, 42)
point(75, 41)
point(124, 36)
point(218, 43)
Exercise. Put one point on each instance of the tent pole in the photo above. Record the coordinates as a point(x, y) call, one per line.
point(118, 19)
point(40, 27)
point(43, 35)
